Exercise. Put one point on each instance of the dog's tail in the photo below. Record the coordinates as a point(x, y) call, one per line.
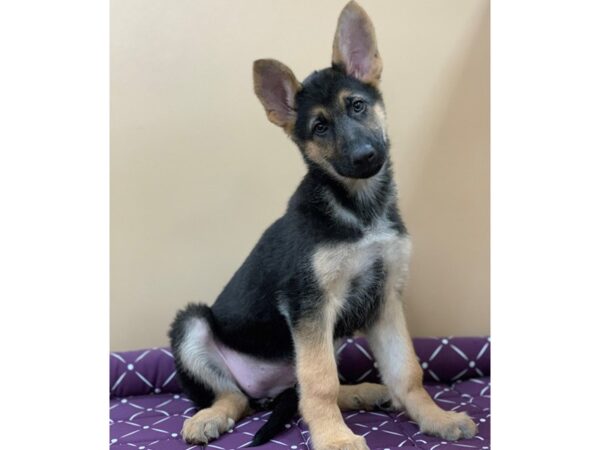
point(285, 407)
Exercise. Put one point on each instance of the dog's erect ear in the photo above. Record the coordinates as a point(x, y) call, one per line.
point(355, 46)
point(275, 86)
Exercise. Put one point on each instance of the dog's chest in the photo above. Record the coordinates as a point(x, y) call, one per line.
point(345, 267)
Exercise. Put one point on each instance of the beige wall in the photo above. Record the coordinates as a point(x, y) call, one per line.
point(197, 172)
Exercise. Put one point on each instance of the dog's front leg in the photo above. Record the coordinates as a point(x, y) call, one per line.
point(392, 347)
point(401, 372)
point(319, 387)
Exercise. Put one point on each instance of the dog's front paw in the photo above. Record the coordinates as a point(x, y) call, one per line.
point(449, 425)
point(206, 425)
point(348, 442)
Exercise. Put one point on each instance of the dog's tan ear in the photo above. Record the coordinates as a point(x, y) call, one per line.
point(275, 86)
point(355, 45)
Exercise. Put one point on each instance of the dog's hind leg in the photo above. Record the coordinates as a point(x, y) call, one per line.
point(367, 396)
point(204, 377)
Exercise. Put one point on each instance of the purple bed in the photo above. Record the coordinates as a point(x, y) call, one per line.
point(147, 408)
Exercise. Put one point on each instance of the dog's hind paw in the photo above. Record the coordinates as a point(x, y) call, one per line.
point(367, 396)
point(206, 425)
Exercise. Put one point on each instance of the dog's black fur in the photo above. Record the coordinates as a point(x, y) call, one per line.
point(247, 314)
point(275, 288)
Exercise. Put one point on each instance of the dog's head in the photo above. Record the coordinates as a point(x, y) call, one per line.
point(336, 115)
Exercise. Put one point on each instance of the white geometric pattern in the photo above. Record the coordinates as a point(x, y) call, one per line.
point(147, 409)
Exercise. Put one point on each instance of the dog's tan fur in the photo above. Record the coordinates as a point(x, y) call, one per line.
point(319, 154)
point(210, 423)
point(335, 266)
point(392, 346)
point(320, 394)
point(367, 396)
point(389, 338)
point(320, 388)
point(342, 96)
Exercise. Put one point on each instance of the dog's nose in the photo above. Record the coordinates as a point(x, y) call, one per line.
point(363, 156)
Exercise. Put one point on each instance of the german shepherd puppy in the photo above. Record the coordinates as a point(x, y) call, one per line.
point(334, 264)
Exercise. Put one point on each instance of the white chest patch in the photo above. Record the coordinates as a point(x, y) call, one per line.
point(337, 265)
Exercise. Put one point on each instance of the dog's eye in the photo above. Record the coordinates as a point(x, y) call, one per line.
point(320, 128)
point(358, 106)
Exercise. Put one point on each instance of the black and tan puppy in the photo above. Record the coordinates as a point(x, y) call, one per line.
point(333, 265)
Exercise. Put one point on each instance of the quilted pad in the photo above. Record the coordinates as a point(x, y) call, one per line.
point(147, 408)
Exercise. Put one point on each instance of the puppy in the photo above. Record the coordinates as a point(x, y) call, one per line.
point(335, 264)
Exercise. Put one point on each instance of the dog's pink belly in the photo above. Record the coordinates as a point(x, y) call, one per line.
point(258, 379)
